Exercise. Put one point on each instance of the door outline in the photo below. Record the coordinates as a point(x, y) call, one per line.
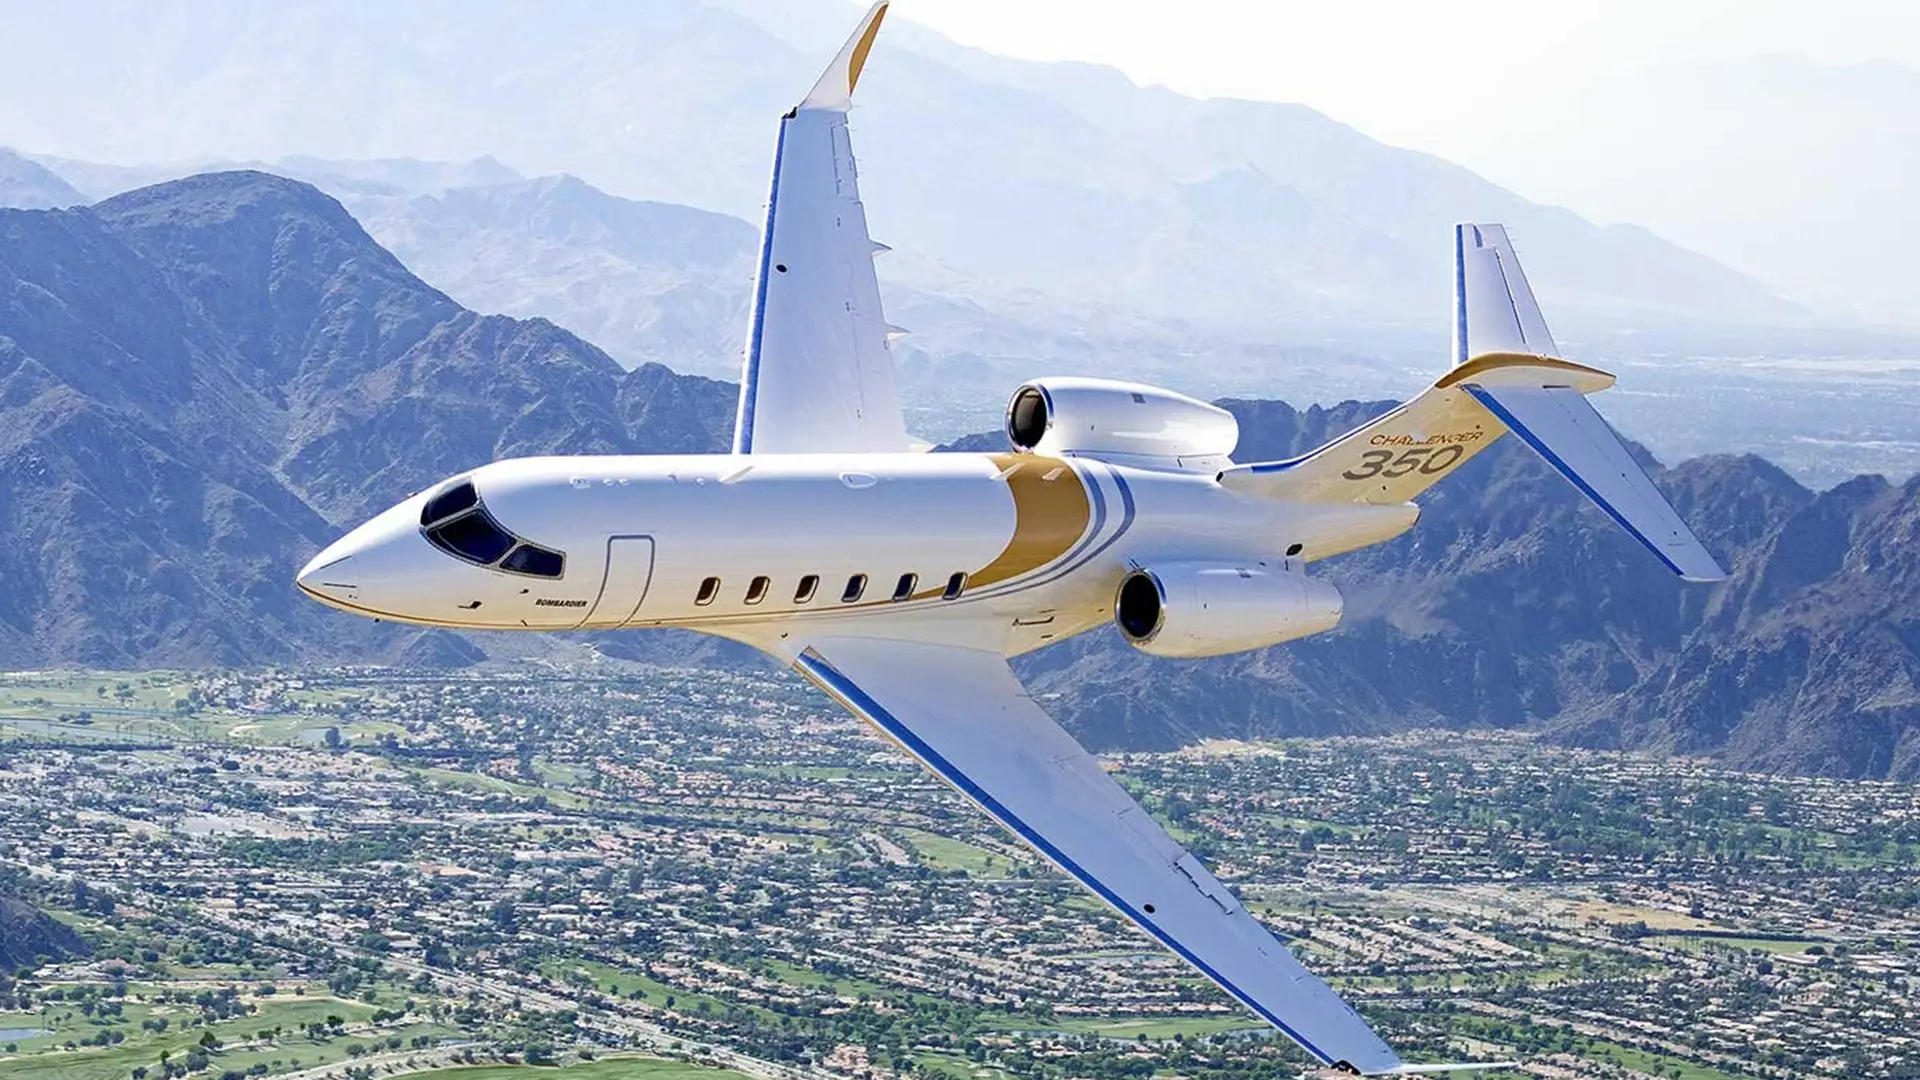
point(589, 622)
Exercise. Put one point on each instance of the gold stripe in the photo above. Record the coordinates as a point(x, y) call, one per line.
point(860, 51)
point(1050, 511)
point(1480, 365)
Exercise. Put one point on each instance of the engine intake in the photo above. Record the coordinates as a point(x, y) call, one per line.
point(1119, 419)
point(1209, 609)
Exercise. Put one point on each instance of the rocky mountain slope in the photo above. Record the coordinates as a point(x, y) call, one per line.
point(27, 935)
point(202, 382)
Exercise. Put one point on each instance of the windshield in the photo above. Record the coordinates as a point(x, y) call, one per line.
point(456, 522)
point(473, 537)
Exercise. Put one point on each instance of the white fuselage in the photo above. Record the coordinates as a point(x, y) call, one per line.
point(1039, 543)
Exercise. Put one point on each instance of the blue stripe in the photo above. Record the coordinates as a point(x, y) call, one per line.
point(1075, 559)
point(1459, 295)
point(1126, 509)
point(1263, 467)
point(1493, 405)
point(1092, 485)
point(816, 667)
point(750, 379)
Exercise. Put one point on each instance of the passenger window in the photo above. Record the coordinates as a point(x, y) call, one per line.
point(904, 589)
point(709, 589)
point(808, 586)
point(538, 561)
point(856, 585)
point(955, 585)
point(757, 589)
point(453, 500)
point(473, 537)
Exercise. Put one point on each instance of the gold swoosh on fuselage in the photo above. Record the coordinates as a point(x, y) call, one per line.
point(1051, 512)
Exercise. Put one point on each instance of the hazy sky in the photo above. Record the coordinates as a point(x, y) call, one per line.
point(1739, 128)
point(1433, 76)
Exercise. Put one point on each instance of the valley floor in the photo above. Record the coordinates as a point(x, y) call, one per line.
point(350, 874)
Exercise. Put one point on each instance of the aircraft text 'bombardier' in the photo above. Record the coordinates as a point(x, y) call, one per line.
point(900, 582)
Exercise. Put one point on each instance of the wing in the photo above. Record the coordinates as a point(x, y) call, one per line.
point(966, 717)
point(818, 376)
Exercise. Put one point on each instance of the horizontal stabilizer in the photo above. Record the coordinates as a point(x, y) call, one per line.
point(1558, 422)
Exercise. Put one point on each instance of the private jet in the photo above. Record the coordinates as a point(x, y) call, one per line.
point(900, 582)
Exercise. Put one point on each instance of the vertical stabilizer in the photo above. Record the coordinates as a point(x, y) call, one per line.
point(1493, 306)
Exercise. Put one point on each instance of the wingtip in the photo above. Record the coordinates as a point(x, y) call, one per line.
point(834, 90)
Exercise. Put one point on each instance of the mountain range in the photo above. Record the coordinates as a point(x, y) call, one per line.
point(659, 282)
point(666, 283)
point(31, 186)
point(1064, 179)
point(203, 381)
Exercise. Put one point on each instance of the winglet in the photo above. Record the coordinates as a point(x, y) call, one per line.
point(835, 88)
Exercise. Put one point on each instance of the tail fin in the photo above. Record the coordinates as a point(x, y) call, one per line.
point(1500, 382)
point(1493, 307)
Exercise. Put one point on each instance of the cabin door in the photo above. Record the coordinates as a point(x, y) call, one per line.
point(629, 568)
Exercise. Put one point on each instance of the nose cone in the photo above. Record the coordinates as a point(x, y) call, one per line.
point(329, 573)
point(335, 576)
point(367, 570)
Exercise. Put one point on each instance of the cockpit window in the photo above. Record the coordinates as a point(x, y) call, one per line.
point(453, 500)
point(456, 522)
point(538, 561)
point(473, 537)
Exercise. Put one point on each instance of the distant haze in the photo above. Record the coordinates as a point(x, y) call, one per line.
point(1067, 179)
point(1780, 137)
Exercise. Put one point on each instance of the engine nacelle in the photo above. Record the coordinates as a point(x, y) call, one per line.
point(1109, 418)
point(1211, 608)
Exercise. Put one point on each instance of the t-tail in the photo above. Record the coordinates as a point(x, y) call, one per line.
point(1507, 376)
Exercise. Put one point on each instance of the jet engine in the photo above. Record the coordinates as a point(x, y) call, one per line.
point(1103, 417)
point(1211, 608)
